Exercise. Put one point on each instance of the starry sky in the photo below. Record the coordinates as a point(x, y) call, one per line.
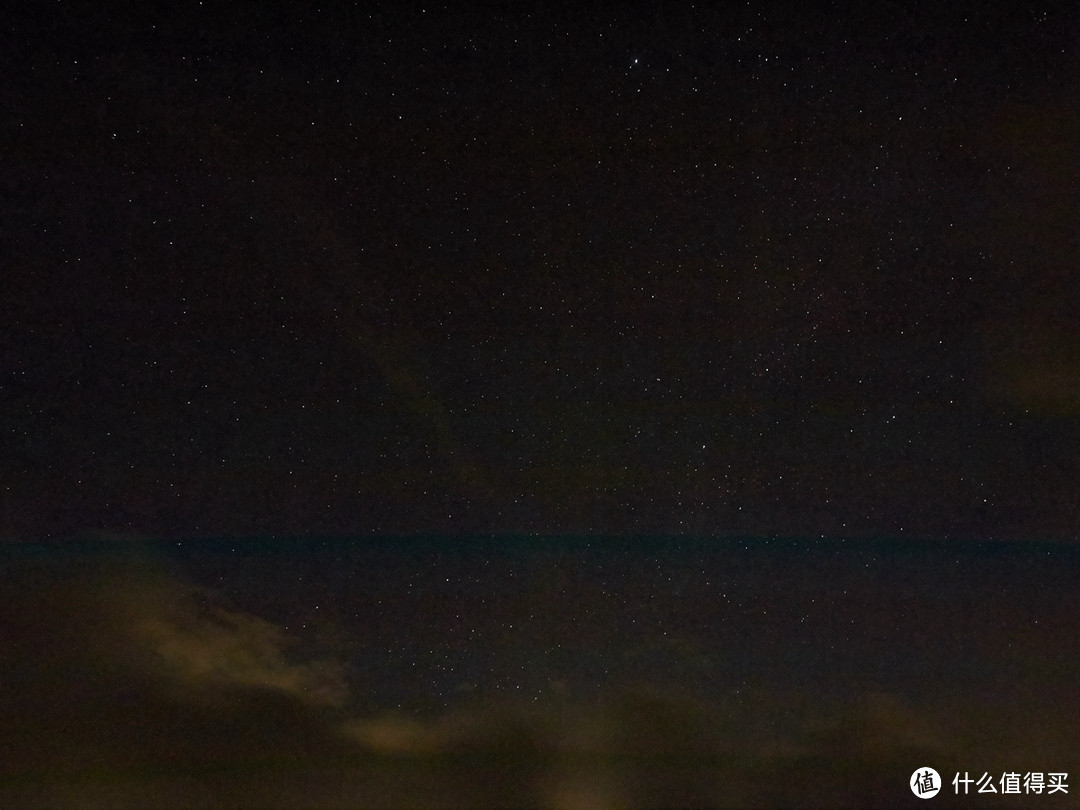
point(710, 270)
point(623, 406)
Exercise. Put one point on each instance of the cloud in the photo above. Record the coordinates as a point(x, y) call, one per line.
point(129, 613)
point(127, 688)
point(124, 687)
point(645, 748)
point(210, 647)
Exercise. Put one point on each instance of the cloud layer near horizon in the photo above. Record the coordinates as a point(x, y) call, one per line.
point(132, 689)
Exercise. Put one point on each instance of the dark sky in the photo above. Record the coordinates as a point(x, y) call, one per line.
point(275, 269)
point(636, 406)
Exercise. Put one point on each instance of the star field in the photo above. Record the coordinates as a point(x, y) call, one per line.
point(419, 271)
point(614, 406)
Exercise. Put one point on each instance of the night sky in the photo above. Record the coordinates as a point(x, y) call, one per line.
point(635, 405)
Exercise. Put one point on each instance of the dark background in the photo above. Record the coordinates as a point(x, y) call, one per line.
point(637, 405)
point(711, 270)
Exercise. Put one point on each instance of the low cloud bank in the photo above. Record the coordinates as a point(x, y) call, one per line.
point(127, 688)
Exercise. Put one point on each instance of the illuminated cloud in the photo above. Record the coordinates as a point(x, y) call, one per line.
point(216, 647)
point(130, 689)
